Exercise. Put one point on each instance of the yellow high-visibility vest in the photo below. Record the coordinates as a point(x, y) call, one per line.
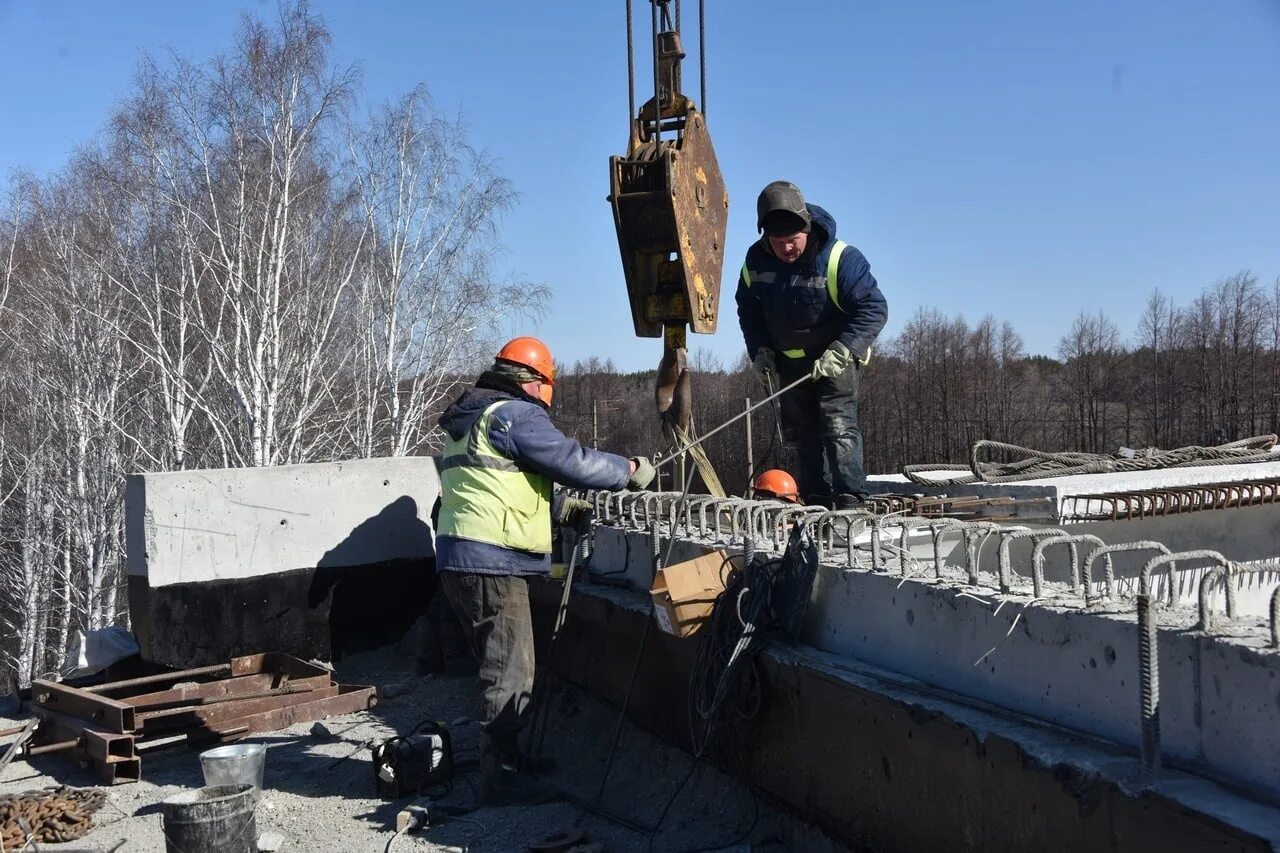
point(486, 497)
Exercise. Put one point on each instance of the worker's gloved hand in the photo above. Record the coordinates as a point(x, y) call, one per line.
point(643, 475)
point(765, 363)
point(575, 512)
point(833, 362)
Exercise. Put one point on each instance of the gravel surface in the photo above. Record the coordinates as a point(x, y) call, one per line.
point(319, 793)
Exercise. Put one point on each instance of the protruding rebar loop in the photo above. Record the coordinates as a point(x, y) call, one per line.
point(972, 531)
point(730, 508)
point(1275, 619)
point(1148, 684)
point(1086, 571)
point(971, 554)
point(1148, 640)
point(743, 509)
point(940, 528)
point(758, 522)
point(1223, 574)
point(615, 508)
point(1221, 568)
point(700, 504)
point(782, 520)
point(653, 506)
point(673, 515)
point(586, 543)
point(875, 544)
point(1037, 558)
point(1007, 538)
point(600, 504)
point(655, 545)
point(1229, 573)
point(633, 500)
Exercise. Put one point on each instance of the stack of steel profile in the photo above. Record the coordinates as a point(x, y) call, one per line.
point(109, 727)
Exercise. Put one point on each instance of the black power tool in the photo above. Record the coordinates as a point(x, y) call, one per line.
point(412, 764)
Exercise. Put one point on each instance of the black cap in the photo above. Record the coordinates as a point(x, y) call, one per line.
point(780, 210)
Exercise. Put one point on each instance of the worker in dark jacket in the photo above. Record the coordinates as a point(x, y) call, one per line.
point(499, 464)
point(808, 305)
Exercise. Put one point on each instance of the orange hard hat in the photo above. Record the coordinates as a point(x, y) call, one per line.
point(776, 483)
point(533, 354)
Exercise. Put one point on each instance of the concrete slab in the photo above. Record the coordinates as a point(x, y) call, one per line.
point(192, 526)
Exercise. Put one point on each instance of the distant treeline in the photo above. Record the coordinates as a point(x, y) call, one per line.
point(1204, 373)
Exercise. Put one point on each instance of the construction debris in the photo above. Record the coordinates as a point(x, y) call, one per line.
point(107, 727)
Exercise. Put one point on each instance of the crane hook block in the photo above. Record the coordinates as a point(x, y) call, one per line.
point(670, 209)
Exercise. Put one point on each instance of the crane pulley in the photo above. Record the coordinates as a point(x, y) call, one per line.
point(671, 211)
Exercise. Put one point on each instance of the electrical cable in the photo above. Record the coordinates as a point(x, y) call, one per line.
point(635, 667)
point(744, 620)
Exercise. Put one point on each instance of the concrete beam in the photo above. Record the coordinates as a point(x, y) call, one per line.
point(191, 526)
point(1049, 660)
point(886, 762)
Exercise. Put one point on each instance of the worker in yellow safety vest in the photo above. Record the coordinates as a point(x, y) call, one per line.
point(501, 458)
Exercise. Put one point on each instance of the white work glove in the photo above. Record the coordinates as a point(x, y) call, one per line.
point(833, 362)
point(765, 363)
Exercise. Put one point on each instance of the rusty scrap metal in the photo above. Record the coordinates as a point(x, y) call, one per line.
point(109, 713)
point(259, 693)
point(47, 816)
point(159, 678)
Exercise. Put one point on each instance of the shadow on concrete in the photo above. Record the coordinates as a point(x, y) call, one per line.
point(371, 604)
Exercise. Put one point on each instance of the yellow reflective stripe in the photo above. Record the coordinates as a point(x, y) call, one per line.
point(865, 361)
point(746, 275)
point(793, 353)
point(833, 266)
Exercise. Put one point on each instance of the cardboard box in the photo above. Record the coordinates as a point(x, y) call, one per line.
point(684, 594)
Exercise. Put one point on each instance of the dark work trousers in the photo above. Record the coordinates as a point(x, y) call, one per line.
point(494, 612)
point(820, 420)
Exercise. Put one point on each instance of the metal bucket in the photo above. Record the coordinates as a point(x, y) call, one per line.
point(236, 764)
point(211, 820)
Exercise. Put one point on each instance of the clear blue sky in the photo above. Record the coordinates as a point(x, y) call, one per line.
point(1022, 158)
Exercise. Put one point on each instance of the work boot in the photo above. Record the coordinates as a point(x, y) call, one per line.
point(847, 501)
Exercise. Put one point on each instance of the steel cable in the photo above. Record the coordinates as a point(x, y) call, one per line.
point(1038, 464)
